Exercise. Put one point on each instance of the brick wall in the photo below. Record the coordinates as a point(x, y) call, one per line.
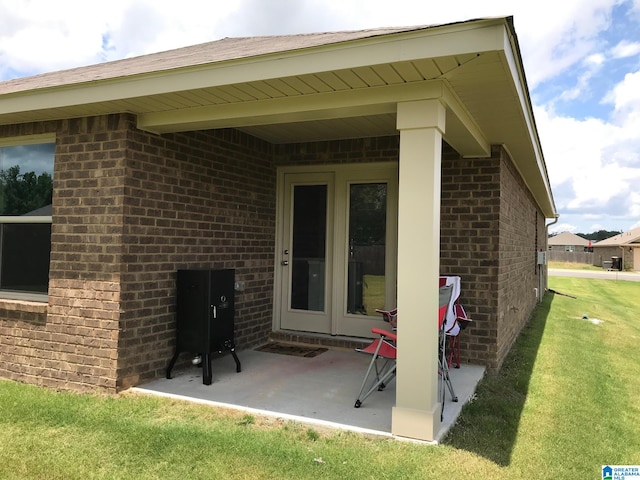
point(602, 254)
point(129, 209)
point(193, 200)
point(71, 343)
point(522, 234)
point(469, 227)
point(356, 150)
point(490, 231)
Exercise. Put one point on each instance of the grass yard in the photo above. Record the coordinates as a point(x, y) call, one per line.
point(373, 293)
point(574, 266)
point(565, 403)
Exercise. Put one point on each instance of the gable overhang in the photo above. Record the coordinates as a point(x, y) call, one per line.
point(347, 89)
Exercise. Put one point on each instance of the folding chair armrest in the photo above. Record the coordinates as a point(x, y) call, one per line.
point(385, 333)
point(390, 316)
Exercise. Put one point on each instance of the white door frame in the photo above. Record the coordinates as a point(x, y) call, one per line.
point(344, 175)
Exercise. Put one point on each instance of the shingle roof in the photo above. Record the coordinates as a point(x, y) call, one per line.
point(217, 51)
point(625, 238)
point(568, 238)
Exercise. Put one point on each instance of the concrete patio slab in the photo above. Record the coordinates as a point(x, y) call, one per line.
point(320, 390)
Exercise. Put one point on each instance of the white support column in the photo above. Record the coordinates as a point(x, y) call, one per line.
point(417, 410)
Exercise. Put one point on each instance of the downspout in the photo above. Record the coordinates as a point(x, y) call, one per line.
point(546, 233)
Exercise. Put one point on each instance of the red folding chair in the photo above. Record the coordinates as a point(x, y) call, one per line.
point(383, 351)
point(453, 341)
point(383, 361)
point(459, 323)
point(443, 365)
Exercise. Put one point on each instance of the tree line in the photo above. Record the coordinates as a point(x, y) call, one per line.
point(595, 236)
point(21, 193)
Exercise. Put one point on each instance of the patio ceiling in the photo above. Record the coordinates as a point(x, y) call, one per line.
point(313, 87)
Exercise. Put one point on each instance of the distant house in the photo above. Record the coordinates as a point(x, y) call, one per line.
point(568, 242)
point(625, 247)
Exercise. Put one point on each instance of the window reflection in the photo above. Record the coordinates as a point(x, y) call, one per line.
point(26, 190)
point(367, 246)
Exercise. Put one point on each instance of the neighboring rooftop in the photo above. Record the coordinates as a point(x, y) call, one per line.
point(625, 238)
point(568, 238)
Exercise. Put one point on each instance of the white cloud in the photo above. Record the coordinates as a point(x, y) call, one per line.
point(625, 97)
point(625, 49)
point(589, 171)
point(592, 64)
point(38, 36)
point(562, 227)
point(41, 35)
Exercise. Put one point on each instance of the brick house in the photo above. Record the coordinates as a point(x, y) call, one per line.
point(625, 247)
point(415, 149)
point(568, 242)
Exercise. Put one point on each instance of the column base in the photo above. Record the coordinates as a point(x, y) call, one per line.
point(416, 424)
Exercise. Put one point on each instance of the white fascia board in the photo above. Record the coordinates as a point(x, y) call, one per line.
point(457, 39)
point(517, 73)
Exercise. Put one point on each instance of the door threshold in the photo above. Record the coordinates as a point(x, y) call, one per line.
point(335, 342)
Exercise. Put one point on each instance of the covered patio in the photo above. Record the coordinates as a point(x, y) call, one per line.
point(194, 159)
point(318, 390)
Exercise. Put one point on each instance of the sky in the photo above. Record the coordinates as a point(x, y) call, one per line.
point(581, 59)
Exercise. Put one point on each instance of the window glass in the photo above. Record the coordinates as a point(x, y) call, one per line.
point(25, 256)
point(26, 189)
point(309, 247)
point(26, 179)
point(367, 246)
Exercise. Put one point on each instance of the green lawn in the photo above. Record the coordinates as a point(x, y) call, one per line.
point(574, 266)
point(565, 403)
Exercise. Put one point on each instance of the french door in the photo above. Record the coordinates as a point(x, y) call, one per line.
point(307, 253)
point(336, 248)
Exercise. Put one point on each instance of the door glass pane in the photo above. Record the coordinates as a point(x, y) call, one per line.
point(367, 245)
point(308, 248)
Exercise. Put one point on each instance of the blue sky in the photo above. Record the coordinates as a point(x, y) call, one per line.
point(581, 58)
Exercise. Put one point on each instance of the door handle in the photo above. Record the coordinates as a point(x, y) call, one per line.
point(284, 263)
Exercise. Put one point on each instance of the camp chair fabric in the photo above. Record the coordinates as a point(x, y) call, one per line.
point(382, 368)
point(383, 361)
point(457, 320)
point(445, 298)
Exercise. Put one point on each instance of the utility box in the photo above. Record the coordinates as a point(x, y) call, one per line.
point(542, 258)
point(205, 316)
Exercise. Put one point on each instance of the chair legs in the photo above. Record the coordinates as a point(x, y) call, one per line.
point(382, 352)
point(382, 367)
point(453, 350)
point(443, 374)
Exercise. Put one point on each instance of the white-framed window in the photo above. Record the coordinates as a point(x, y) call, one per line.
point(26, 190)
